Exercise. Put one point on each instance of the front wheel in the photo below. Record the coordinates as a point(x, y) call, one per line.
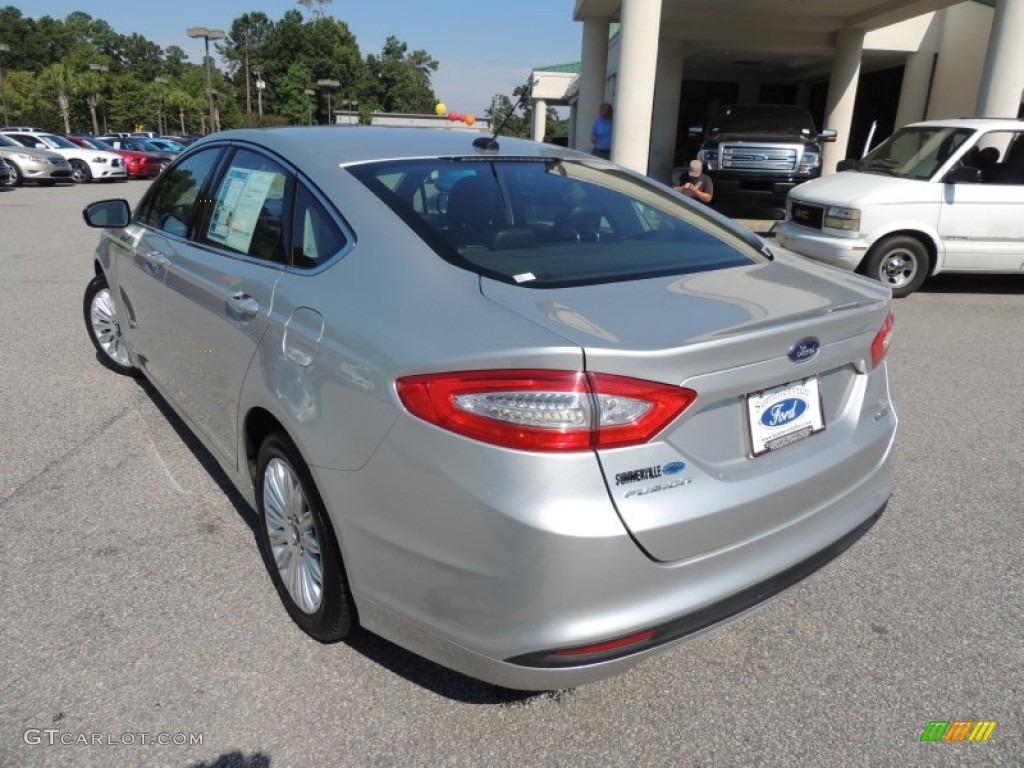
point(901, 262)
point(80, 173)
point(298, 543)
point(104, 327)
point(14, 178)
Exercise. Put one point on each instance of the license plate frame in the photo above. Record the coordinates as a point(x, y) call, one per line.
point(784, 415)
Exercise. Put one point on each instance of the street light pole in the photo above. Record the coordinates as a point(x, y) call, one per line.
point(207, 34)
point(310, 93)
point(260, 85)
point(4, 48)
point(329, 84)
point(98, 68)
point(161, 126)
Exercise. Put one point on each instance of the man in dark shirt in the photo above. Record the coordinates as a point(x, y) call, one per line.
point(697, 184)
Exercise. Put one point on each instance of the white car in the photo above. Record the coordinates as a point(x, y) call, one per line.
point(940, 196)
point(86, 164)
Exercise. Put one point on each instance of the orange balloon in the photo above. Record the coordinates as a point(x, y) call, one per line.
point(469, 119)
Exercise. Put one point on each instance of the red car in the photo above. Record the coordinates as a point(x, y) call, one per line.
point(140, 165)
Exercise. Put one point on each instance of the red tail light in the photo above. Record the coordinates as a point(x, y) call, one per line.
point(880, 345)
point(542, 410)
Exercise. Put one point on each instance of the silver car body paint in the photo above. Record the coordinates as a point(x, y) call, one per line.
point(479, 556)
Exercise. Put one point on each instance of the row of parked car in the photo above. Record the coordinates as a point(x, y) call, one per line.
point(31, 154)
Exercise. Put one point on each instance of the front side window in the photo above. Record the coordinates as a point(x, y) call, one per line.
point(172, 203)
point(915, 152)
point(545, 223)
point(249, 208)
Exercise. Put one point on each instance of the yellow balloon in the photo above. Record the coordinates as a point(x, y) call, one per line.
point(441, 108)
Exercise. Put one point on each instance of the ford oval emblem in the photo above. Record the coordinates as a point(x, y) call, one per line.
point(783, 412)
point(804, 350)
point(673, 468)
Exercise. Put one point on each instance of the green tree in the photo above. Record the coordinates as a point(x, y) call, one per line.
point(63, 82)
point(290, 100)
point(92, 86)
point(396, 82)
point(243, 47)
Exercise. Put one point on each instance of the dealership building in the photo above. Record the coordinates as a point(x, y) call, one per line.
point(861, 67)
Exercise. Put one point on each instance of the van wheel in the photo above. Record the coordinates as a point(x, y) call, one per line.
point(298, 544)
point(901, 262)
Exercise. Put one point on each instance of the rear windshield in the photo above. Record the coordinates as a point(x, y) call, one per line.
point(763, 118)
point(546, 223)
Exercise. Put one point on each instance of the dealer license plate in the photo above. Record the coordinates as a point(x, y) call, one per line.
point(784, 415)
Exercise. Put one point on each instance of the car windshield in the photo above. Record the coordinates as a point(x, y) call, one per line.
point(762, 118)
point(57, 141)
point(915, 152)
point(96, 143)
point(546, 223)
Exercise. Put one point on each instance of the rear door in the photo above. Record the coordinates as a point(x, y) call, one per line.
point(221, 289)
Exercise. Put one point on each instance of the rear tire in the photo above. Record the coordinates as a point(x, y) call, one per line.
point(104, 327)
point(900, 262)
point(298, 543)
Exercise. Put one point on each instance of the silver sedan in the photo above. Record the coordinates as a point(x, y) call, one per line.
point(517, 409)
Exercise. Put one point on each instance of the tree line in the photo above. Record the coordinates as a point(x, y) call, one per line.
point(79, 74)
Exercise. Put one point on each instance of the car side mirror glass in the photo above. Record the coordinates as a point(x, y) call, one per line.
point(966, 174)
point(107, 214)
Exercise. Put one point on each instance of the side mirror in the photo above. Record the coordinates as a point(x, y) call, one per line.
point(849, 164)
point(965, 174)
point(828, 135)
point(107, 214)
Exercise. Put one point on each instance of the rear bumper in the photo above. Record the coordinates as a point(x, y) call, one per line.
point(490, 583)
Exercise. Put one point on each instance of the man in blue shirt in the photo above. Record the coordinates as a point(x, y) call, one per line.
point(601, 133)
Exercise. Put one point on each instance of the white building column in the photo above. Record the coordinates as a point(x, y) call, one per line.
point(665, 127)
point(540, 121)
point(842, 92)
point(1003, 78)
point(593, 71)
point(634, 102)
point(917, 79)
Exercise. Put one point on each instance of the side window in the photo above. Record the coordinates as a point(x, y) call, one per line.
point(171, 205)
point(1000, 156)
point(249, 208)
point(315, 236)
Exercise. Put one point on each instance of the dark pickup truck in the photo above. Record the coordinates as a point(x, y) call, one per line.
point(762, 149)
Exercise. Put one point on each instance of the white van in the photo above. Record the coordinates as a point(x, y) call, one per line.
point(940, 196)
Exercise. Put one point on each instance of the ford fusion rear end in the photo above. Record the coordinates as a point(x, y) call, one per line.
point(728, 433)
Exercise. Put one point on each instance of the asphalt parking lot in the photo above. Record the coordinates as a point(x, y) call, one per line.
point(135, 606)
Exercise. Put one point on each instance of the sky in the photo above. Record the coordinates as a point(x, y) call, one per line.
point(483, 48)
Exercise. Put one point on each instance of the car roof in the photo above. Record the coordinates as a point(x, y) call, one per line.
point(347, 145)
point(975, 123)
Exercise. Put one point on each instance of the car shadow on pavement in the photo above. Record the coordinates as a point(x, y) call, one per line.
point(993, 284)
point(413, 668)
point(203, 456)
point(435, 678)
point(235, 760)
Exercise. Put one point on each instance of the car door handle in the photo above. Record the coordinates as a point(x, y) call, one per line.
point(155, 262)
point(242, 306)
